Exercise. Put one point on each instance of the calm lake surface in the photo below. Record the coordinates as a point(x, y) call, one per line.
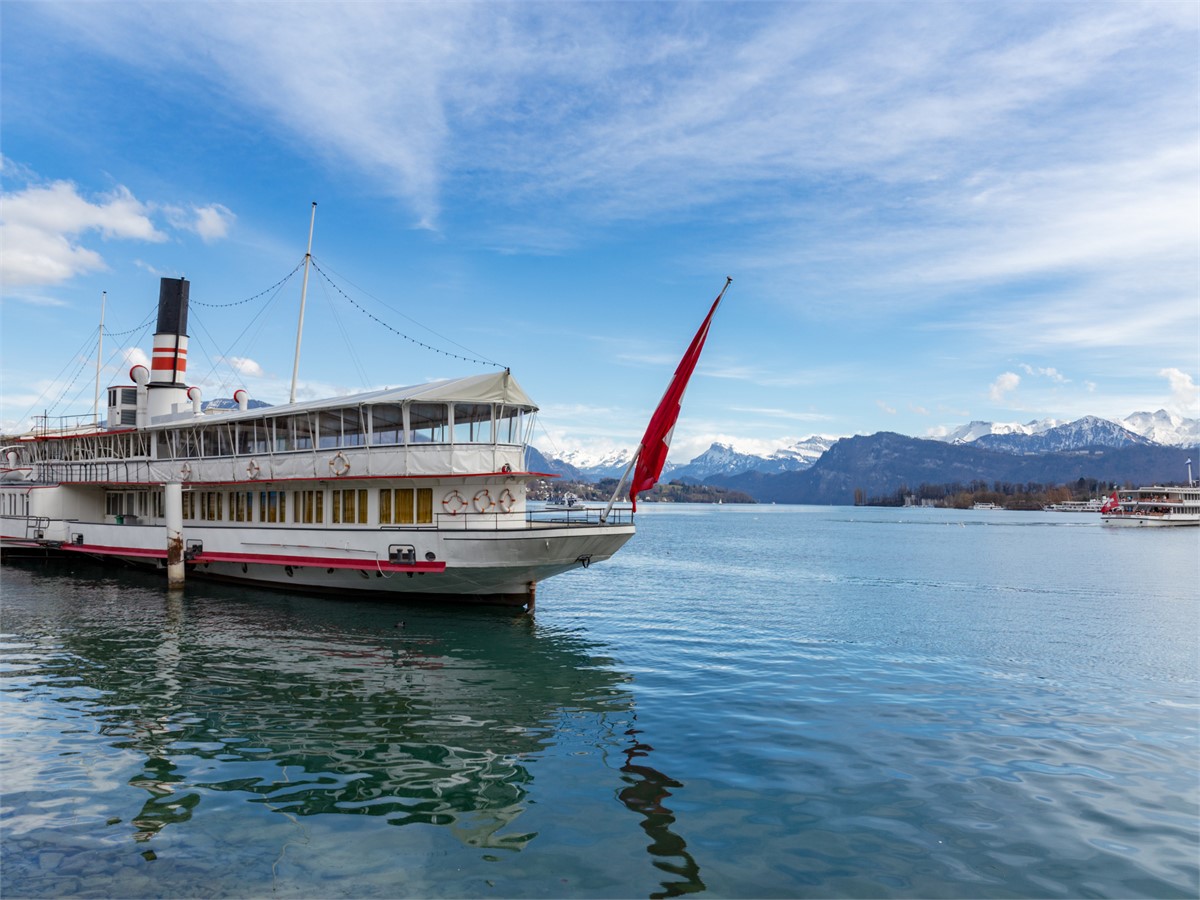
point(745, 702)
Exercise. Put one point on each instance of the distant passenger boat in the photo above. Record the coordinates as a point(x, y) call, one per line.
point(986, 506)
point(1076, 506)
point(1158, 505)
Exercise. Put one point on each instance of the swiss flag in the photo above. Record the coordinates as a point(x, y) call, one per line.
point(657, 440)
point(1111, 503)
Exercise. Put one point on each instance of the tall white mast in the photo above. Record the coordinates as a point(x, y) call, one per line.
point(99, 357)
point(303, 297)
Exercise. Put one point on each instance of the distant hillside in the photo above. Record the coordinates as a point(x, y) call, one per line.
point(878, 464)
point(1086, 432)
point(536, 461)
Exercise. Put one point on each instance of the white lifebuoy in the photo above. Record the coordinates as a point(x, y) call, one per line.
point(453, 503)
point(506, 501)
point(483, 501)
point(338, 464)
point(253, 469)
point(185, 471)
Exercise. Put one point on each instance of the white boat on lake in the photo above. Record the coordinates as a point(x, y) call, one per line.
point(1155, 506)
point(416, 490)
point(1092, 505)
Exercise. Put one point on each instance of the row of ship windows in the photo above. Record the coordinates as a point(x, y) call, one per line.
point(395, 506)
point(375, 426)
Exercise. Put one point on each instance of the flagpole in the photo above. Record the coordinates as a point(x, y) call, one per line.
point(620, 485)
point(675, 389)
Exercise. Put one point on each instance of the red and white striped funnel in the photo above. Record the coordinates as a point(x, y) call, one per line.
point(168, 364)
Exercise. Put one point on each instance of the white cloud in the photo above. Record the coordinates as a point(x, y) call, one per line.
point(1004, 384)
point(1185, 397)
point(887, 409)
point(42, 226)
point(1051, 373)
point(210, 222)
point(134, 356)
point(245, 366)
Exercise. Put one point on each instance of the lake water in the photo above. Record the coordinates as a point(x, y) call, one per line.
point(745, 702)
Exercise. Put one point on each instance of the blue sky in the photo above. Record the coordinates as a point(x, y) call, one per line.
point(931, 212)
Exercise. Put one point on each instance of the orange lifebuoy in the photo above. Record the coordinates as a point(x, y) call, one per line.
point(506, 501)
point(483, 501)
point(453, 503)
point(338, 464)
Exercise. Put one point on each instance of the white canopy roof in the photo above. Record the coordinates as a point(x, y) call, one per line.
point(493, 387)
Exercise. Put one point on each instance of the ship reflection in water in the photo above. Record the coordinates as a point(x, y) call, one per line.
point(306, 707)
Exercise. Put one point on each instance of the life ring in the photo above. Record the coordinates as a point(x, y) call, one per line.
point(453, 503)
point(253, 469)
point(507, 501)
point(483, 501)
point(338, 464)
point(185, 471)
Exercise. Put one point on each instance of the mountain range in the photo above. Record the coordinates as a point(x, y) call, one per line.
point(721, 463)
point(880, 464)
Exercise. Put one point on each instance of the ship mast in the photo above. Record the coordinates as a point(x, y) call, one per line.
point(303, 297)
point(99, 357)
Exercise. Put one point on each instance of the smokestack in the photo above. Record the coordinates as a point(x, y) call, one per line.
point(169, 363)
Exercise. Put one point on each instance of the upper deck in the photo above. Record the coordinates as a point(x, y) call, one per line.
point(468, 426)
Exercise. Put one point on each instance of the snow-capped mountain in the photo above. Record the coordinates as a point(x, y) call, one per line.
point(592, 466)
point(973, 431)
point(1089, 431)
point(1159, 427)
point(724, 459)
point(1163, 427)
point(718, 459)
point(1037, 436)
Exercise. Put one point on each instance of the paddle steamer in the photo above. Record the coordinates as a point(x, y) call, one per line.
point(413, 490)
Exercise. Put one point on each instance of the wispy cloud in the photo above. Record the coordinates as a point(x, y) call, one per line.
point(790, 414)
point(210, 222)
point(1004, 385)
point(1045, 372)
point(42, 226)
point(1185, 396)
point(46, 226)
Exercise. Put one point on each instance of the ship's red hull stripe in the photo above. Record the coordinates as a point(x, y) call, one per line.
point(317, 562)
point(266, 559)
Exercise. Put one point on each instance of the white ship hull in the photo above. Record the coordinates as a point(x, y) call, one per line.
point(1158, 506)
point(488, 557)
point(410, 491)
point(1148, 521)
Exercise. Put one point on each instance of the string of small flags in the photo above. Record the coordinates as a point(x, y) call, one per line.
point(273, 287)
point(145, 322)
point(406, 337)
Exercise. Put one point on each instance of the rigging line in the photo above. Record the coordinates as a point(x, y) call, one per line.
point(61, 372)
point(346, 337)
point(413, 340)
point(262, 310)
point(108, 363)
point(145, 322)
point(82, 363)
point(221, 384)
point(558, 453)
point(280, 283)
